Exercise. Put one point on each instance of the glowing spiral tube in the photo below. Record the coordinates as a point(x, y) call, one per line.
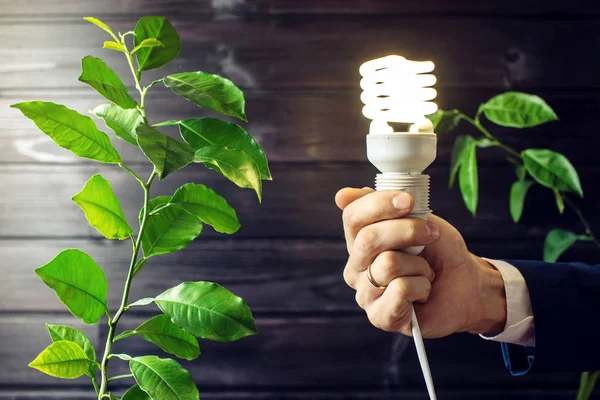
point(397, 90)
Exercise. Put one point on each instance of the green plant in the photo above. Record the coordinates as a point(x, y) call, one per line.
point(532, 166)
point(190, 310)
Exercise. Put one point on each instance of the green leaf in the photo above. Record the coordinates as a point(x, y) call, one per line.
point(560, 203)
point(167, 154)
point(163, 379)
point(62, 332)
point(122, 122)
point(136, 393)
point(445, 121)
point(110, 45)
point(102, 26)
point(169, 230)
point(79, 283)
point(518, 110)
point(468, 179)
point(209, 91)
point(208, 310)
point(148, 43)
point(208, 206)
point(557, 242)
point(71, 130)
point(158, 28)
point(113, 397)
point(62, 359)
point(518, 191)
point(161, 331)
point(102, 208)
point(462, 144)
point(202, 132)
point(98, 75)
point(552, 170)
point(235, 165)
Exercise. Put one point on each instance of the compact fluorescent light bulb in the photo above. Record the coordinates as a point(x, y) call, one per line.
point(398, 90)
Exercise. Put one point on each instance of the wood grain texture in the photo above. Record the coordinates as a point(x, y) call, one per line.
point(491, 394)
point(337, 352)
point(273, 276)
point(181, 8)
point(322, 51)
point(437, 7)
point(303, 126)
point(298, 203)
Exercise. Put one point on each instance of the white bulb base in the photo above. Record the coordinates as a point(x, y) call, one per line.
point(402, 157)
point(417, 185)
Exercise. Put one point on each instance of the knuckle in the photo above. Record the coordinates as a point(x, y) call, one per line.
point(348, 217)
point(348, 277)
point(411, 229)
point(366, 240)
point(402, 287)
point(387, 260)
point(360, 299)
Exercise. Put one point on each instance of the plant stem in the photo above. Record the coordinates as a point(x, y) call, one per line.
point(477, 124)
point(584, 222)
point(132, 172)
point(112, 323)
point(114, 378)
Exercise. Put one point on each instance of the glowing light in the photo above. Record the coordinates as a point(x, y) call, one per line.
point(397, 90)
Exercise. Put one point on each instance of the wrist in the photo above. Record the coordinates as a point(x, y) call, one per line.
point(491, 316)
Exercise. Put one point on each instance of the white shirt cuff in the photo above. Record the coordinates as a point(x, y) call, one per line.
point(519, 328)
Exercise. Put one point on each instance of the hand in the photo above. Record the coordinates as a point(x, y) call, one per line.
point(453, 290)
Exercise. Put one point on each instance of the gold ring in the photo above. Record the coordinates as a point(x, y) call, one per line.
point(373, 281)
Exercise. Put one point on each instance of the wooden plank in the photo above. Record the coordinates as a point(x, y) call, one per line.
point(386, 7)
point(294, 276)
point(322, 51)
point(300, 126)
point(36, 201)
point(182, 8)
point(74, 8)
point(470, 394)
point(294, 354)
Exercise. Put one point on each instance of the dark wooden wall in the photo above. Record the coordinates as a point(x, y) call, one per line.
point(298, 63)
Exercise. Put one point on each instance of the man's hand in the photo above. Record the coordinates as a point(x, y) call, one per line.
point(453, 290)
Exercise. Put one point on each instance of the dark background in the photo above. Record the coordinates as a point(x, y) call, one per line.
point(297, 61)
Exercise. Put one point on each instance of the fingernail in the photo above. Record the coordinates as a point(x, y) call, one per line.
point(432, 230)
point(401, 201)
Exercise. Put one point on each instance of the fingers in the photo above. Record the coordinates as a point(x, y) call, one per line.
point(390, 265)
point(387, 235)
point(392, 311)
point(387, 267)
point(374, 207)
point(347, 195)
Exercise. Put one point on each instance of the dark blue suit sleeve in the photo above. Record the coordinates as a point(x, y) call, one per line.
point(565, 299)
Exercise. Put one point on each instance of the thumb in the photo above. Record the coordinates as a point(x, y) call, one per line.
point(347, 195)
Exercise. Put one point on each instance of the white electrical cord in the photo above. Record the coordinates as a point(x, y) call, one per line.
point(416, 332)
